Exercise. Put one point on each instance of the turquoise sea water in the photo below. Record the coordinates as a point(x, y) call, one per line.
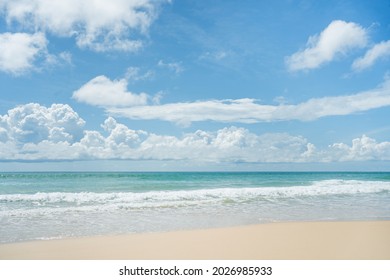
point(35, 206)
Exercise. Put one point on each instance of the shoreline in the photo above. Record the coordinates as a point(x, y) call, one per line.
point(330, 240)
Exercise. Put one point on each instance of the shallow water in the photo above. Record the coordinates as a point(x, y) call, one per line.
point(58, 205)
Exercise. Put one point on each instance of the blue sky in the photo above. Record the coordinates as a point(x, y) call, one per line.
point(194, 85)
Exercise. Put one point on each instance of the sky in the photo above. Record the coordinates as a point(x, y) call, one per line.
point(163, 85)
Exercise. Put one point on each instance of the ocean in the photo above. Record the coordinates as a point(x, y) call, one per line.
point(43, 206)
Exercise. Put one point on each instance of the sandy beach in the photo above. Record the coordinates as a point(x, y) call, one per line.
point(297, 240)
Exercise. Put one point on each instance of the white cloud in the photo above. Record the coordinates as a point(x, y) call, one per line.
point(33, 123)
point(250, 111)
point(134, 74)
point(63, 58)
point(101, 91)
point(175, 67)
point(230, 144)
point(239, 110)
point(115, 25)
point(32, 132)
point(121, 135)
point(20, 51)
point(362, 149)
point(338, 38)
point(47, 150)
point(378, 51)
point(215, 56)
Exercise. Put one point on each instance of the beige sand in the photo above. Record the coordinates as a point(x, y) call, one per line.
point(308, 240)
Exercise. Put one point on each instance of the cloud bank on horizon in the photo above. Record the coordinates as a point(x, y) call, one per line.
point(35, 132)
point(164, 67)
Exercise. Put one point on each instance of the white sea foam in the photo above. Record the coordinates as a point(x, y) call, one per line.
point(48, 215)
point(61, 202)
point(326, 187)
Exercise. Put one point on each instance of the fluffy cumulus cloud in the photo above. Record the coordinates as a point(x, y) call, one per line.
point(101, 91)
point(362, 149)
point(20, 51)
point(115, 25)
point(338, 38)
point(230, 144)
point(250, 111)
point(33, 123)
point(377, 52)
point(34, 132)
